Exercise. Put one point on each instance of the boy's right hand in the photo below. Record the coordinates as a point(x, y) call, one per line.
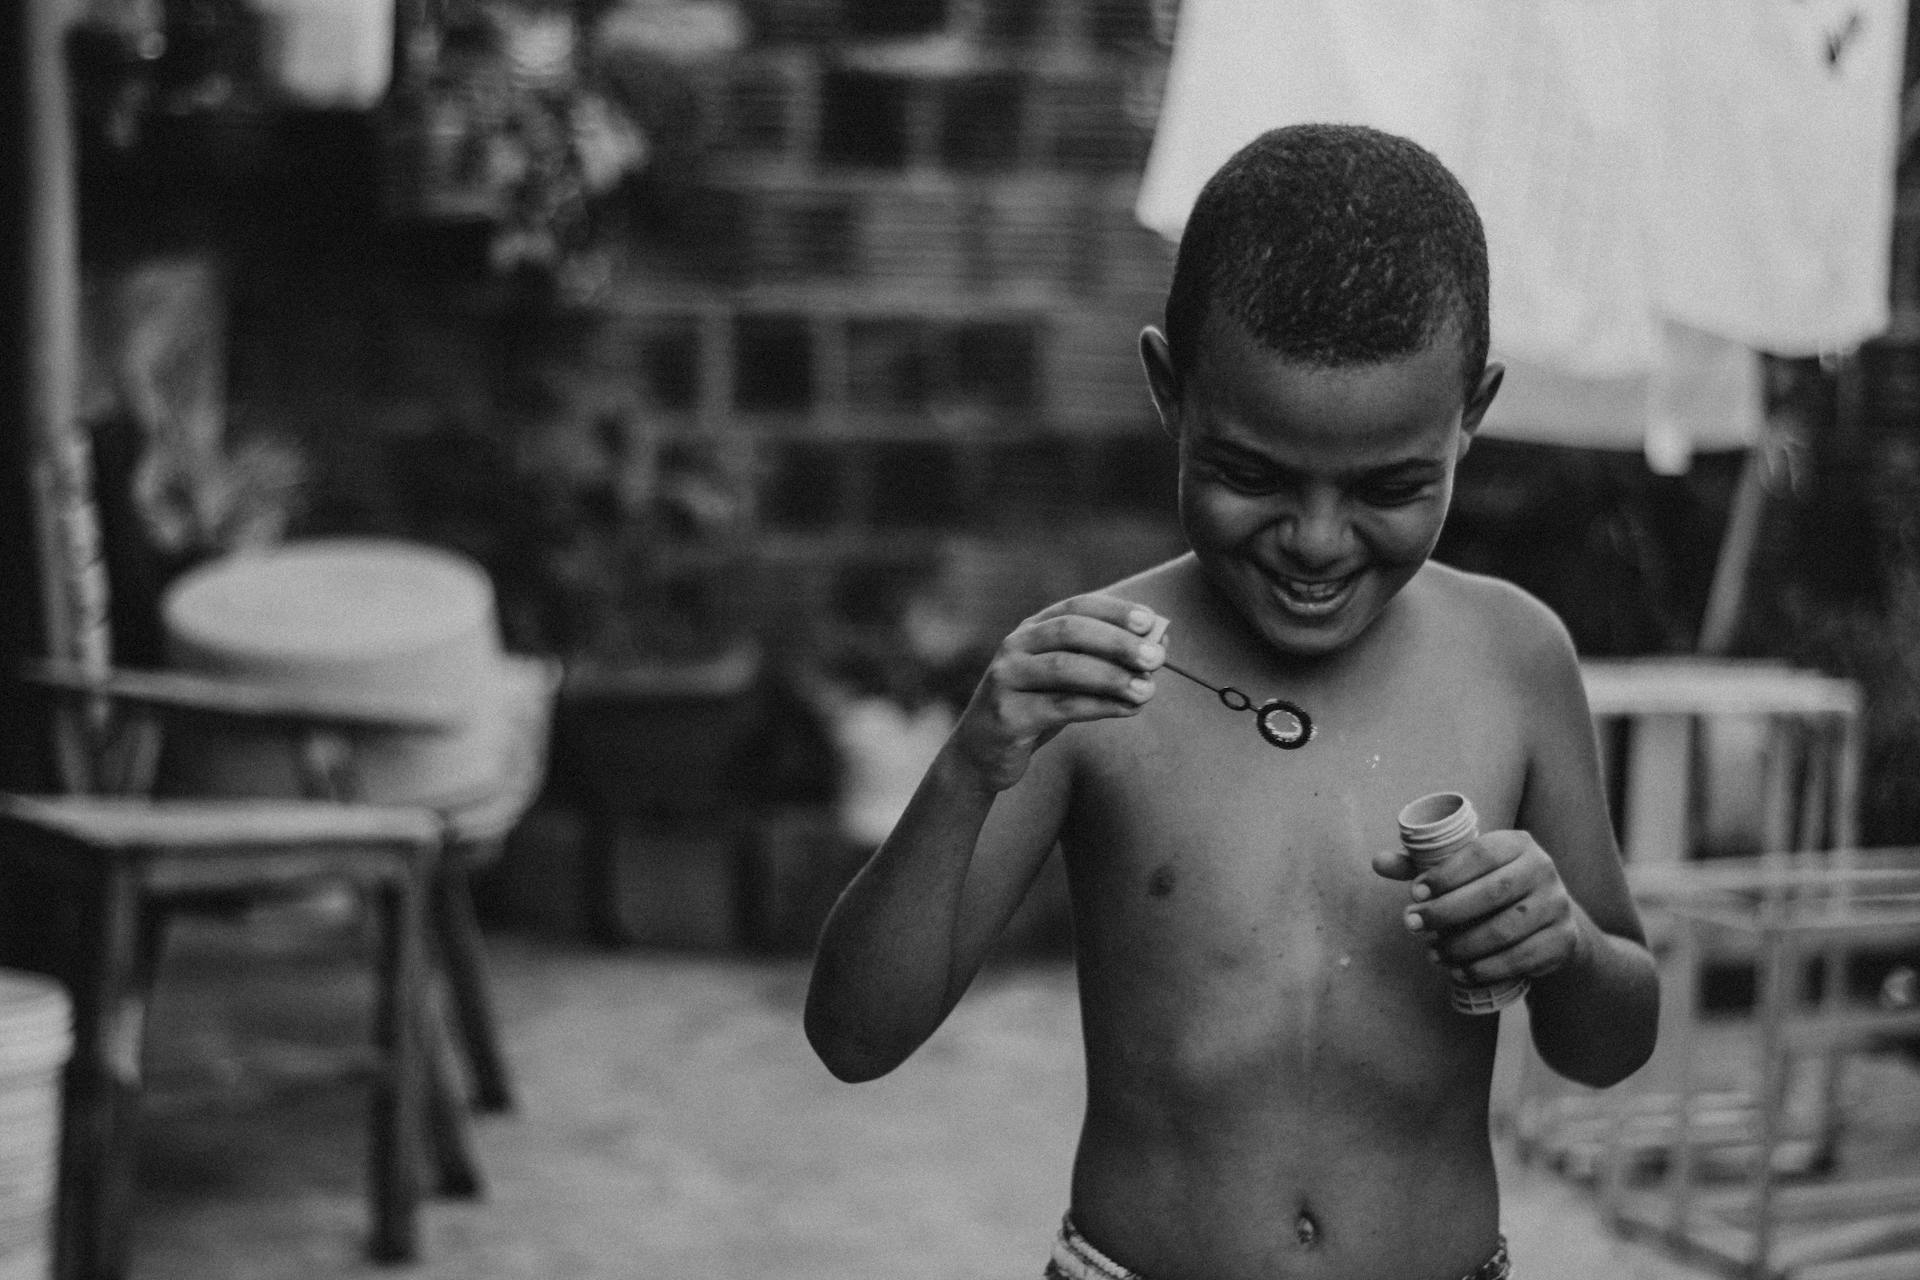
point(1087, 658)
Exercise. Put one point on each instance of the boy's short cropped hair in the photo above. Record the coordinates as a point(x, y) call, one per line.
point(1335, 245)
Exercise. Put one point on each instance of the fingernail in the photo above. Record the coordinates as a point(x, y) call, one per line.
point(1151, 654)
point(1421, 892)
point(1139, 686)
point(1415, 922)
point(1458, 975)
point(1140, 620)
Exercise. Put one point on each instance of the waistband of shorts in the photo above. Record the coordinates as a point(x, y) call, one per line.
point(1075, 1258)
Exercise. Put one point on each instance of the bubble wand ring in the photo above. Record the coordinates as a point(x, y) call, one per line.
point(1283, 724)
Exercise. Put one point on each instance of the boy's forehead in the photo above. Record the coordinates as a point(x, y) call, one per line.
point(1220, 334)
point(1249, 391)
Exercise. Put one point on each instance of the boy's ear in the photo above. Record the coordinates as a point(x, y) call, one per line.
point(1162, 382)
point(1483, 394)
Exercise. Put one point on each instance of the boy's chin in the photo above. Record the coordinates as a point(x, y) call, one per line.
point(1288, 632)
point(1315, 641)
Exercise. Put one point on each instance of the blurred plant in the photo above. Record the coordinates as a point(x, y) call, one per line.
point(531, 113)
point(641, 548)
point(495, 120)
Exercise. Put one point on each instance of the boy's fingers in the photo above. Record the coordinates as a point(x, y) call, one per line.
point(1394, 864)
point(1471, 862)
point(1078, 633)
point(1080, 707)
point(1477, 899)
point(1130, 617)
point(1532, 955)
point(1065, 672)
point(1490, 937)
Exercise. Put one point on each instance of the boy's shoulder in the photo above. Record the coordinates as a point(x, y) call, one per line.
point(1496, 600)
point(1163, 584)
point(1495, 617)
point(1176, 589)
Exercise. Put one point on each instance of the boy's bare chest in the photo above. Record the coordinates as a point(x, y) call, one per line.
point(1189, 793)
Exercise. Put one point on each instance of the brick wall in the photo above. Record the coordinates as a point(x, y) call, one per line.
point(920, 285)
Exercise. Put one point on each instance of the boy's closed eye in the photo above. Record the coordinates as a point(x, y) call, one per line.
point(1392, 486)
point(1242, 472)
point(1393, 492)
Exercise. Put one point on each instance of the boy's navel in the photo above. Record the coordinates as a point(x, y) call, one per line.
point(1306, 1232)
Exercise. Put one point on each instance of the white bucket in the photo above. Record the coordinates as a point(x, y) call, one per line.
point(328, 53)
point(392, 621)
point(36, 1036)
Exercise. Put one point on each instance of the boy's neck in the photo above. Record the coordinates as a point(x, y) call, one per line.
point(1240, 640)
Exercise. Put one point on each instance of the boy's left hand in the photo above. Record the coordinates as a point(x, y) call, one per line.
point(1495, 909)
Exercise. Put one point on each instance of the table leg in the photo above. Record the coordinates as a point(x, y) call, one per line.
point(394, 1148)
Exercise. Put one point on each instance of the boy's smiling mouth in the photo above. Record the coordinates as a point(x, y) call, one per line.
point(1313, 597)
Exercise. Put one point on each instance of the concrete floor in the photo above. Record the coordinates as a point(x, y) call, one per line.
point(673, 1123)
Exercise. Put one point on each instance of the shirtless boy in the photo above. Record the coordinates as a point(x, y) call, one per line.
point(1277, 1085)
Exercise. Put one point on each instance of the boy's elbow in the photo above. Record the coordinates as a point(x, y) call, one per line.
point(1601, 1049)
point(1606, 1070)
point(851, 1056)
point(1602, 1060)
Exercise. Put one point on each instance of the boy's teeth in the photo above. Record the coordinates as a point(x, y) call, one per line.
point(1316, 590)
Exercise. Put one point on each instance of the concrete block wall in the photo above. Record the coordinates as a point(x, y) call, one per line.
point(899, 293)
point(931, 283)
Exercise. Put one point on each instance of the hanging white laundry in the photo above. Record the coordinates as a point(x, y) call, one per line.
point(1779, 127)
point(1667, 185)
point(1539, 109)
point(1552, 147)
point(1702, 394)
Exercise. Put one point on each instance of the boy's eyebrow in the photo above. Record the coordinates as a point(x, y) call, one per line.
point(1241, 453)
point(1404, 467)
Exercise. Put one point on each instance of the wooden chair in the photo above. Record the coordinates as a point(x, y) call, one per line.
point(87, 879)
point(92, 879)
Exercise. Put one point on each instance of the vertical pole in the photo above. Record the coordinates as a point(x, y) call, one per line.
point(1727, 596)
point(22, 735)
point(55, 452)
point(51, 297)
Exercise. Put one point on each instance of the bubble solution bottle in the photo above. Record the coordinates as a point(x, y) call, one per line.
point(1431, 829)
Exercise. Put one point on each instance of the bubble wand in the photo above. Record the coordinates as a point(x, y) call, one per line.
point(1283, 724)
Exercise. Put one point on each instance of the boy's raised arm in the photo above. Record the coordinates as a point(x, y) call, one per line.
point(910, 932)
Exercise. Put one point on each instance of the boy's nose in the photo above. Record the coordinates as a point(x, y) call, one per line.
point(1314, 536)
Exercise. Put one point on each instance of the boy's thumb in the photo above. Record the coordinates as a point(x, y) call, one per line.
point(1394, 864)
